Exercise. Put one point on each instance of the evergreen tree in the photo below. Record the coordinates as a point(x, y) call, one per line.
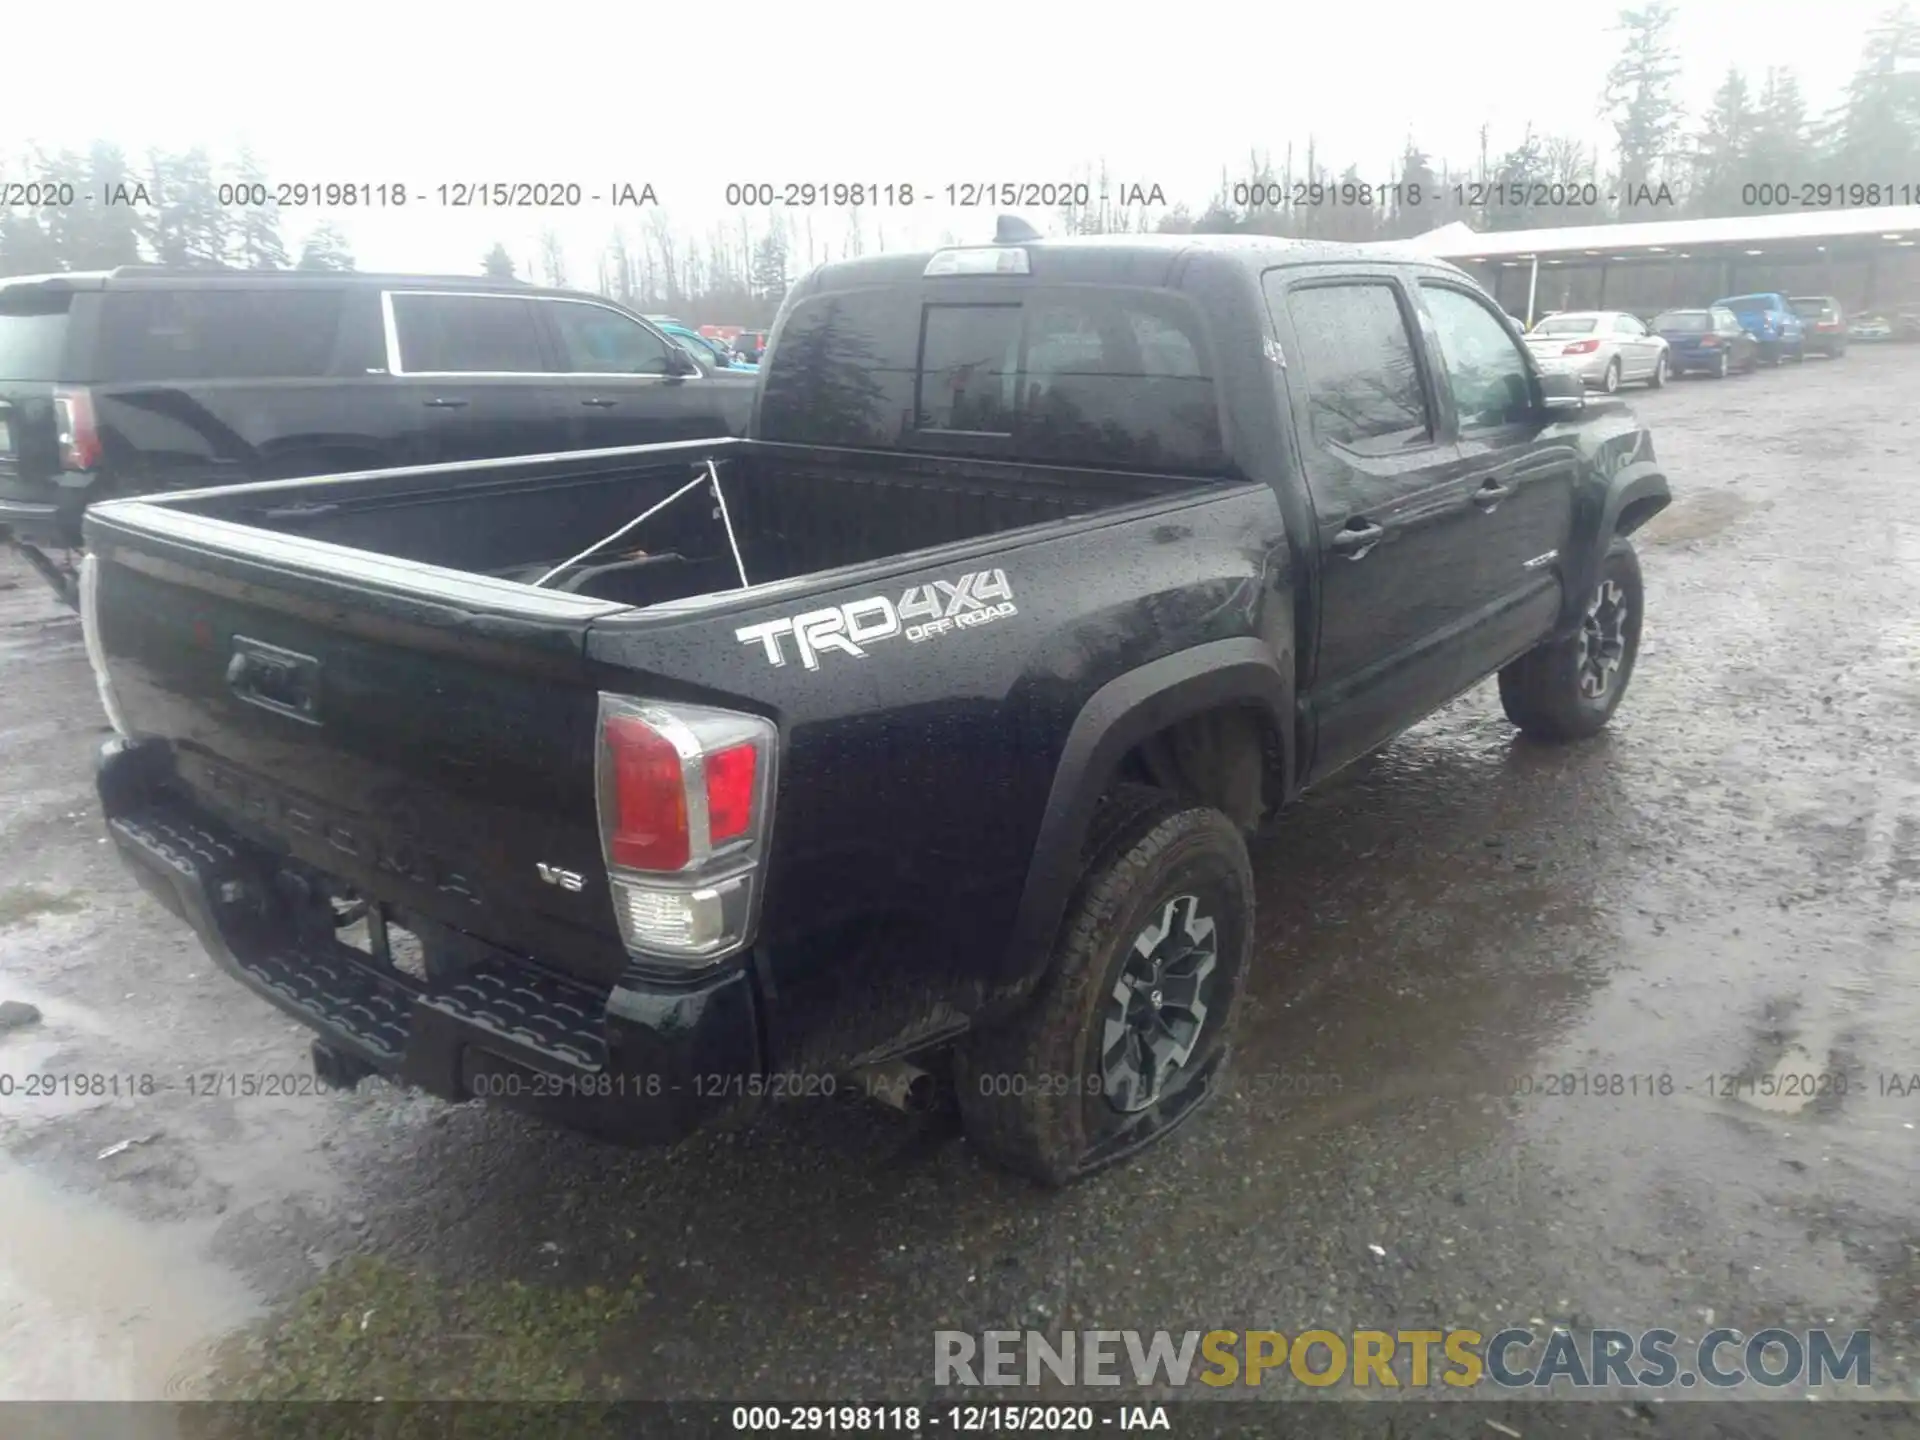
point(1720, 151)
point(197, 227)
point(1877, 133)
point(326, 249)
point(1639, 97)
point(257, 244)
point(553, 261)
point(497, 262)
point(1781, 151)
point(25, 246)
point(1408, 215)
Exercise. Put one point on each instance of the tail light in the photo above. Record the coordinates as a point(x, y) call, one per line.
point(685, 796)
point(1581, 347)
point(79, 434)
point(1709, 342)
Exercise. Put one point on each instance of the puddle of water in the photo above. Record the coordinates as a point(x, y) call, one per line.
point(1792, 1084)
point(96, 1306)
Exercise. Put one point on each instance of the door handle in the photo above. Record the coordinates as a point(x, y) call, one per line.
point(1357, 539)
point(1491, 494)
point(441, 403)
point(600, 404)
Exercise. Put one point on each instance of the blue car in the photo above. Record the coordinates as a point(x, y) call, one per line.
point(711, 351)
point(1772, 321)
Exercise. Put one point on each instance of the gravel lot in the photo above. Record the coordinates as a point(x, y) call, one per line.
point(1726, 883)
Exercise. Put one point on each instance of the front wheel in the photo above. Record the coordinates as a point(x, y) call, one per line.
point(1127, 1033)
point(1659, 376)
point(1568, 689)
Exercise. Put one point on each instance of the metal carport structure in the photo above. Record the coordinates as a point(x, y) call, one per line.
point(1866, 257)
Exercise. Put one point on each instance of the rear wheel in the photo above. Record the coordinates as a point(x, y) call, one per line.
point(1127, 1033)
point(1610, 382)
point(1659, 376)
point(1720, 366)
point(1569, 689)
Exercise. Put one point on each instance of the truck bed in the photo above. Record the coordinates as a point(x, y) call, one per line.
point(794, 511)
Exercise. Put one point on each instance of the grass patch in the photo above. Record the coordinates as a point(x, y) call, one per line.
point(371, 1330)
point(337, 1363)
point(21, 903)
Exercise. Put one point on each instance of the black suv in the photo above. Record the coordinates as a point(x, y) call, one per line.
point(142, 379)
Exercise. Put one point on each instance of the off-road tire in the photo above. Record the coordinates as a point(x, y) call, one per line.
point(1541, 691)
point(1030, 1089)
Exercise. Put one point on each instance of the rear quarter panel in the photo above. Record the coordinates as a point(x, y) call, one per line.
point(914, 776)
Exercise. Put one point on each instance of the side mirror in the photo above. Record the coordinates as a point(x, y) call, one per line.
point(1560, 391)
point(681, 363)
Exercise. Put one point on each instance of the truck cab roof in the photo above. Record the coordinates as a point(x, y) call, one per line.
point(1151, 260)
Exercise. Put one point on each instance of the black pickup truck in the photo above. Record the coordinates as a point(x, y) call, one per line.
point(915, 734)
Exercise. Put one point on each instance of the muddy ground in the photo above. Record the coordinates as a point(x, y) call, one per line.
point(1726, 883)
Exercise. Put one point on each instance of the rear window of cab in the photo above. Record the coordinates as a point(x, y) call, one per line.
point(1069, 374)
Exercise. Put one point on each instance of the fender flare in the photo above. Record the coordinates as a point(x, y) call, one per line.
point(1632, 497)
point(1115, 718)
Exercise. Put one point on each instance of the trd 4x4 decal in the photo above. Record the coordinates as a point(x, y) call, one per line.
point(922, 613)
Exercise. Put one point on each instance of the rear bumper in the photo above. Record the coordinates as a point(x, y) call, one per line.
point(644, 1062)
point(1689, 360)
point(43, 516)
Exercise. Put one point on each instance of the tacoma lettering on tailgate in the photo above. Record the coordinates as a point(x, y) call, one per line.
point(922, 613)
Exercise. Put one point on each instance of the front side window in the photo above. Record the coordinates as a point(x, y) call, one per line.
point(1490, 379)
point(595, 340)
point(468, 334)
point(1363, 383)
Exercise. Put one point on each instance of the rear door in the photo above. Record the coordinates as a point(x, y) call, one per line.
point(476, 374)
point(1392, 507)
point(615, 387)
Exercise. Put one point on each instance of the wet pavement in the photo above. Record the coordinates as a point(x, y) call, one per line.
point(1724, 887)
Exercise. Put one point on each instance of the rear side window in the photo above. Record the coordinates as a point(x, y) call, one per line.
point(468, 334)
point(1363, 383)
point(33, 336)
point(219, 334)
point(1093, 374)
point(1683, 321)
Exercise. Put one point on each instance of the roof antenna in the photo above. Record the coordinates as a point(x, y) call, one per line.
point(1012, 230)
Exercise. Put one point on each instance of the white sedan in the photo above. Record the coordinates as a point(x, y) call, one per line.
point(1605, 348)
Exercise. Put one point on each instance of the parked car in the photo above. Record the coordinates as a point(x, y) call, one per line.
point(1869, 328)
point(1824, 322)
point(751, 345)
point(1605, 348)
point(1707, 342)
point(924, 739)
point(1771, 320)
point(142, 379)
point(709, 352)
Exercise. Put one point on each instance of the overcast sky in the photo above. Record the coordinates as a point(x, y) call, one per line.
point(689, 97)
